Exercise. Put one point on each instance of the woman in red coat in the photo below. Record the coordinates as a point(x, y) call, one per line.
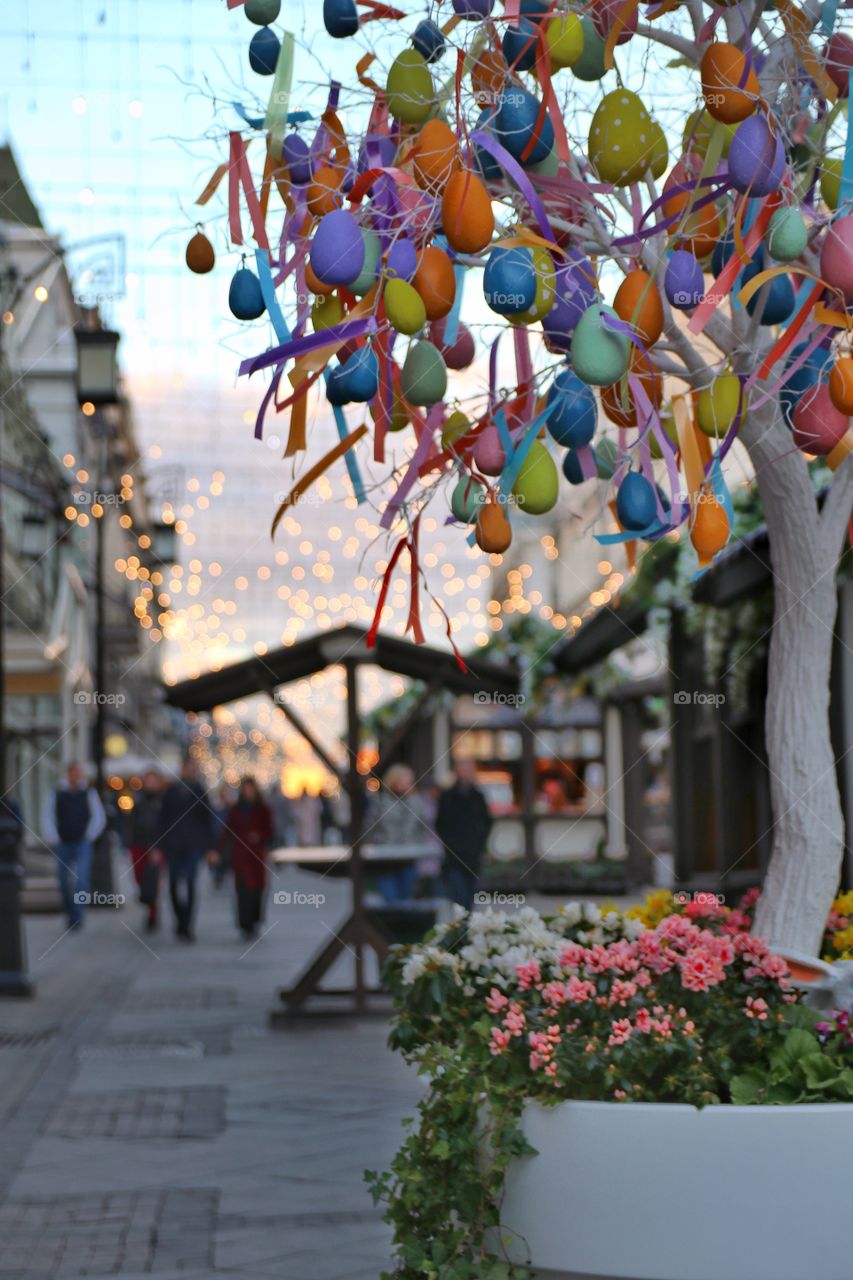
point(246, 838)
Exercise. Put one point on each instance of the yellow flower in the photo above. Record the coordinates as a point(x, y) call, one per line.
point(656, 907)
point(842, 942)
point(843, 904)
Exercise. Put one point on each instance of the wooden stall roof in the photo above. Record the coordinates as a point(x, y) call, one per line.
point(607, 630)
point(743, 569)
point(329, 648)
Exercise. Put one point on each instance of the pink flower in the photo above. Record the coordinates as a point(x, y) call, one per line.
point(619, 1094)
point(700, 970)
point(579, 990)
point(622, 991)
point(529, 975)
point(620, 1031)
point(756, 1008)
point(500, 1042)
point(643, 1020)
point(555, 993)
point(496, 1000)
point(572, 956)
point(514, 1020)
point(551, 1071)
point(775, 967)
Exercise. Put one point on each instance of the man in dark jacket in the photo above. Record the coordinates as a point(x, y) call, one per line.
point(189, 832)
point(72, 819)
point(462, 824)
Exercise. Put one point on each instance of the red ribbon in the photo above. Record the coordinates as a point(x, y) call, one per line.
point(383, 593)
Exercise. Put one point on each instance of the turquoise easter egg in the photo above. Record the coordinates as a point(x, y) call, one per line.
point(423, 380)
point(536, 486)
point(369, 273)
point(590, 64)
point(787, 235)
point(466, 499)
point(509, 281)
point(244, 296)
point(636, 507)
point(599, 356)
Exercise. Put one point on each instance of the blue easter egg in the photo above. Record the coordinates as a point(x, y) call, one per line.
point(572, 467)
point(509, 281)
point(519, 45)
point(814, 369)
point(429, 40)
point(535, 10)
point(264, 48)
point(779, 294)
point(337, 249)
point(636, 508)
point(297, 156)
point(572, 421)
point(515, 124)
point(486, 163)
point(683, 282)
point(402, 259)
point(356, 380)
point(340, 18)
point(723, 250)
point(244, 296)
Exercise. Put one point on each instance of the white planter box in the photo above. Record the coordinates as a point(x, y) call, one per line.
point(652, 1191)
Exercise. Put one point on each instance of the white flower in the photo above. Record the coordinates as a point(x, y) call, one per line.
point(571, 912)
point(591, 913)
point(414, 968)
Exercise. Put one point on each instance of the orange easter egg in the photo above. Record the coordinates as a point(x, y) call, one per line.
point(638, 303)
point(710, 530)
point(324, 191)
point(700, 231)
point(841, 385)
point(466, 213)
point(314, 283)
point(489, 74)
point(617, 400)
point(435, 281)
point(493, 532)
point(436, 156)
point(730, 93)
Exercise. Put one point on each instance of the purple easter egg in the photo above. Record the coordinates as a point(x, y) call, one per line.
point(574, 292)
point(489, 453)
point(476, 10)
point(337, 250)
point(458, 354)
point(756, 157)
point(683, 282)
point(836, 257)
point(402, 259)
point(297, 157)
point(378, 151)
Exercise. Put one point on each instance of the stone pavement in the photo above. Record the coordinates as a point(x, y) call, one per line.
point(152, 1125)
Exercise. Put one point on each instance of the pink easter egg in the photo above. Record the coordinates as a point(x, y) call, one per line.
point(836, 257)
point(838, 59)
point(604, 14)
point(489, 453)
point(818, 425)
point(458, 354)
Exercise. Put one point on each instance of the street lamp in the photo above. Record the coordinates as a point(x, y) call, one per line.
point(97, 366)
point(163, 539)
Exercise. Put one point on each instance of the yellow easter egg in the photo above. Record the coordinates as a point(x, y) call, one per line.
point(404, 306)
point(830, 182)
point(622, 141)
point(326, 311)
point(454, 428)
point(717, 405)
point(564, 37)
point(543, 299)
point(410, 90)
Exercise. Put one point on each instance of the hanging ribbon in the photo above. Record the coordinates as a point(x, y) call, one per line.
point(514, 170)
point(335, 336)
point(413, 622)
point(396, 501)
point(383, 591)
point(275, 120)
point(798, 27)
point(305, 482)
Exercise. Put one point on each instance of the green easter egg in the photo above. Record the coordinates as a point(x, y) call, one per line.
point(787, 235)
point(830, 182)
point(716, 408)
point(368, 275)
point(262, 12)
point(547, 167)
point(599, 356)
point(564, 37)
point(466, 499)
point(668, 423)
point(536, 486)
point(404, 306)
point(590, 65)
point(454, 427)
point(606, 458)
point(621, 140)
point(326, 311)
point(423, 380)
point(545, 291)
point(410, 90)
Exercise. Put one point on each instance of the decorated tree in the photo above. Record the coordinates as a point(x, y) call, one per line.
point(673, 260)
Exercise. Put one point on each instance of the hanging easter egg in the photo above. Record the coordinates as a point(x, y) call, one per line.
point(518, 127)
point(658, 151)
point(699, 231)
point(787, 234)
point(474, 10)
point(466, 213)
point(709, 530)
point(575, 288)
point(404, 307)
point(326, 311)
point(620, 138)
point(841, 385)
point(817, 425)
point(547, 168)
point(323, 193)
point(605, 14)
point(361, 375)
point(536, 485)
point(262, 12)
point(297, 156)
point(617, 400)
point(638, 302)
point(730, 90)
point(314, 283)
point(493, 531)
point(435, 281)
point(486, 165)
point(683, 281)
point(466, 499)
point(572, 420)
point(337, 249)
point(264, 48)
point(399, 414)
point(717, 405)
point(369, 273)
point(756, 157)
point(244, 296)
point(698, 129)
point(830, 182)
point(436, 156)
point(489, 74)
point(402, 259)
point(456, 426)
point(519, 45)
point(836, 256)
point(564, 37)
point(458, 354)
point(509, 281)
point(814, 369)
point(670, 431)
point(200, 256)
point(340, 18)
point(599, 354)
point(774, 302)
point(423, 380)
point(536, 10)
point(636, 506)
point(606, 459)
point(489, 453)
point(410, 91)
point(429, 40)
point(590, 65)
point(838, 60)
point(543, 300)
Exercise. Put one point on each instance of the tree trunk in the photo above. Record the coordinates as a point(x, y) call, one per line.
point(808, 827)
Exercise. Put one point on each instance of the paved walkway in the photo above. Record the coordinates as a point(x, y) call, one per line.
point(151, 1124)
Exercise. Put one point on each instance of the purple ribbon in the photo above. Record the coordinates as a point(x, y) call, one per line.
point(312, 342)
point(519, 177)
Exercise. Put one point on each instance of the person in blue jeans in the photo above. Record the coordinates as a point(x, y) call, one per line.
point(72, 820)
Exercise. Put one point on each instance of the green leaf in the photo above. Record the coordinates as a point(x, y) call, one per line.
point(796, 1045)
point(746, 1088)
point(803, 1016)
point(819, 1070)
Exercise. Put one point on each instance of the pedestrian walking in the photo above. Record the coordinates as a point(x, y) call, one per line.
point(72, 820)
point(463, 823)
point(189, 834)
point(246, 839)
point(397, 820)
point(146, 831)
